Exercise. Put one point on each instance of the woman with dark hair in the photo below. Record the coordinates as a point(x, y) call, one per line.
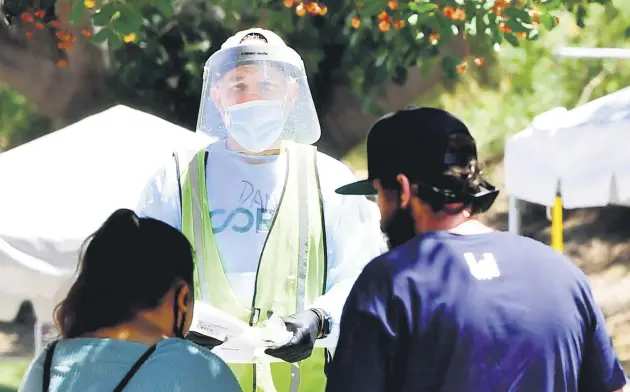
point(123, 321)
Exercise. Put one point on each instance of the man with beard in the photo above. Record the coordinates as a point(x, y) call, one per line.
point(454, 305)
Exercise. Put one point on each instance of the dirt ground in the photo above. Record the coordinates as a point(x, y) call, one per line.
point(598, 240)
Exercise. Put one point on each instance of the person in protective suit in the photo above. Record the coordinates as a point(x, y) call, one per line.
point(258, 204)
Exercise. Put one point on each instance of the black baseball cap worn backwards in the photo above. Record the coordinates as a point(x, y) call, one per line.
point(423, 144)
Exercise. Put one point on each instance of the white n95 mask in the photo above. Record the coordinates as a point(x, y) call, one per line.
point(256, 125)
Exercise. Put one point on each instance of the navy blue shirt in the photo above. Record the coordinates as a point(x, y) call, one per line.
point(489, 312)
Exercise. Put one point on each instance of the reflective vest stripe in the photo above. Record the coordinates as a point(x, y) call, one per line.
point(197, 229)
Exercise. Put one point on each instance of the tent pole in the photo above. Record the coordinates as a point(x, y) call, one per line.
point(557, 225)
point(514, 216)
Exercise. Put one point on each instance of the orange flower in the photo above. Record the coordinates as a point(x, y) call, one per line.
point(534, 14)
point(521, 35)
point(39, 26)
point(60, 45)
point(288, 3)
point(459, 14)
point(54, 23)
point(399, 24)
point(40, 14)
point(497, 10)
point(300, 10)
point(434, 38)
point(383, 17)
point(29, 35)
point(359, 5)
point(323, 10)
point(26, 17)
point(504, 28)
point(461, 68)
point(501, 3)
point(356, 22)
point(392, 4)
point(479, 61)
point(86, 32)
point(312, 7)
point(62, 63)
point(448, 11)
point(384, 26)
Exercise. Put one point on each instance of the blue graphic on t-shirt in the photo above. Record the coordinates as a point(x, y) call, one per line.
point(244, 218)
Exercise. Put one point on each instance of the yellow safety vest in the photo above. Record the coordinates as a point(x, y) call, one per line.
point(291, 271)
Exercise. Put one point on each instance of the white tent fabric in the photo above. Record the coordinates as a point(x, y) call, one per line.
point(58, 189)
point(583, 153)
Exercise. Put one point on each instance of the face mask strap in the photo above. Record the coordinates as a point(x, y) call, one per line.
point(178, 328)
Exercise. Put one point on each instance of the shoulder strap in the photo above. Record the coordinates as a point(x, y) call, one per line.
point(134, 369)
point(50, 351)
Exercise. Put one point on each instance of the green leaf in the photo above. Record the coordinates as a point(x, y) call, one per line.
point(370, 107)
point(355, 39)
point(480, 24)
point(77, 11)
point(425, 67)
point(496, 34)
point(511, 39)
point(552, 4)
point(104, 16)
point(370, 7)
point(422, 8)
point(380, 76)
point(517, 13)
point(547, 20)
point(516, 26)
point(380, 60)
point(113, 40)
point(101, 36)
point(130, 17)
point(400, 75)
point(449, 66)
point(165, 7)
point(581, 15)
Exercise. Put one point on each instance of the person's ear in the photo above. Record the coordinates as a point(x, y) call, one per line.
point(405, 193)
point(183, 299)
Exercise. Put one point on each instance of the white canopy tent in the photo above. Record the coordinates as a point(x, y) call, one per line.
point(571, 159)
point(58, 189)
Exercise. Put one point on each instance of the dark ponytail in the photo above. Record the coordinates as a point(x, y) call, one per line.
point(126, 266)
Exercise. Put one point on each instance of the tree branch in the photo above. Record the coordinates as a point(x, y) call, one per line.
point(29, 66)
point(591, 86)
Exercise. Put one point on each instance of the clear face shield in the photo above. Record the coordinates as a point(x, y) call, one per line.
point(257, 95)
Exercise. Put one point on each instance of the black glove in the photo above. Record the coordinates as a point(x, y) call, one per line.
point(305, 327)
point(203, 340)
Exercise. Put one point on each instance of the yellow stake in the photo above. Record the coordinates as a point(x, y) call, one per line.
point(556, 225)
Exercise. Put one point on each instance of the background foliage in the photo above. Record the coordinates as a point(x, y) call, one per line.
point(156, 49)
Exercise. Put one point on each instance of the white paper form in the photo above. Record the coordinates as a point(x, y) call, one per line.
point(243, 344)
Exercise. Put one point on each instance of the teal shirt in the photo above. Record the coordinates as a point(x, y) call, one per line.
point(98, 365)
